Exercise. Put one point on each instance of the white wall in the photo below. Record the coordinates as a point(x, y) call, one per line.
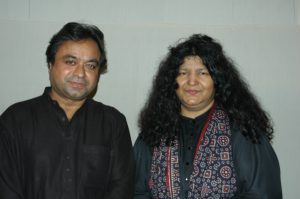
point(263, 37)
point(297, 11)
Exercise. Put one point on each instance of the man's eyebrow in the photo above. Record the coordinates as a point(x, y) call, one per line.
point(69, 56)
point(93, 60)
point(74, 57)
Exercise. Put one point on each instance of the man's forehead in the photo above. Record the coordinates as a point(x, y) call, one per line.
point(79, 48)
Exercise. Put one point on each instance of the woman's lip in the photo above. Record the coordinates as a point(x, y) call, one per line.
point(192, 92)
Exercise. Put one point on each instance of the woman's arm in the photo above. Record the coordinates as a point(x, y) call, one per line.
point(142, 155)
point(257, 168)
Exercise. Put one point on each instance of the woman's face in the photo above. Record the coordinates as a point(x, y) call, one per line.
point(195, 87)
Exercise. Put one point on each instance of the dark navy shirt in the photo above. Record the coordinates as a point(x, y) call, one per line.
point(46, 156)
point(190, 133)
point(256, 165)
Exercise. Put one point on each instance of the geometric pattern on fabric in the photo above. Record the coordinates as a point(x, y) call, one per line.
point(213, 173)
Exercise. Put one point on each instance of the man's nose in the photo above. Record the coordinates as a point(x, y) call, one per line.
point(79, 70)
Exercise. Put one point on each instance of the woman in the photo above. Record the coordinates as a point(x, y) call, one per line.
point(203, 133)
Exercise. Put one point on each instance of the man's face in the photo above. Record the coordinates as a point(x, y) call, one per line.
point(75, 71)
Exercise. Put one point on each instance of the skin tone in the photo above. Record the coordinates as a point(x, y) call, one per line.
point(195, 87)
point(74, 74)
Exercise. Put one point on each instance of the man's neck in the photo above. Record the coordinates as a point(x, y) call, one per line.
point(68, 105)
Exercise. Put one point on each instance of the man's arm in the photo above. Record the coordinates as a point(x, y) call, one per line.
point(122, 171)
point(10, 166)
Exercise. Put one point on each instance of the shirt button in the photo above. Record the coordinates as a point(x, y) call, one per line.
point(68, 169)
point(68, 157)
point(186, 179)
point(187, 163)
point(189, 148)
point(70, 180)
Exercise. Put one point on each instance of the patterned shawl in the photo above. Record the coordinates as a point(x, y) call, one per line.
point(213, 173)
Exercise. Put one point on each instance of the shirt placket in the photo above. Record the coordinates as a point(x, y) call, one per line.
point(68, 170)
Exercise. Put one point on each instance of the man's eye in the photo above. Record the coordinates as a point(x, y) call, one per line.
point(70, 62)
point(91, 66)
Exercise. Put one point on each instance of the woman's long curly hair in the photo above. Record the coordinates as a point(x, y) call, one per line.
point(159, 119)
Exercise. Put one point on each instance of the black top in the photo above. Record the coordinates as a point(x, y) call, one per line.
point(257, 167)
point(45, 156)
point(191, 130)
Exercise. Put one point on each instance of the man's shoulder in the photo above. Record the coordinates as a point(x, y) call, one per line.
point(22, 106)
point(105, 109)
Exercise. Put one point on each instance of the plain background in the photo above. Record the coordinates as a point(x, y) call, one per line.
point(261, 36)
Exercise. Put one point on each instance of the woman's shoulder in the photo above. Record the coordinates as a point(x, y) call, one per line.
point(141, 147)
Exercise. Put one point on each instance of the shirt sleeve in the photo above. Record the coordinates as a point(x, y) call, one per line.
point(10, 166)
point(142, 155)
point(122, 179)
point(257, 168)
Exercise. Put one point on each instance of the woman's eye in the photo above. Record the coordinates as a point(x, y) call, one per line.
point(203, 73)
point(182, 73)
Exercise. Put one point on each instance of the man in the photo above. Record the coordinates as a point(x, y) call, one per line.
point(63, 144)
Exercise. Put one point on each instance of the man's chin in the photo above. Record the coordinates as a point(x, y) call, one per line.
point(78, 96)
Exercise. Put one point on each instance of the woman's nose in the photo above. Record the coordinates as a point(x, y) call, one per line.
point(192, 79)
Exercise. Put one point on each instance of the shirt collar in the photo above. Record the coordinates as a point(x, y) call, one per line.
point(46, 95)
point(197, 120)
